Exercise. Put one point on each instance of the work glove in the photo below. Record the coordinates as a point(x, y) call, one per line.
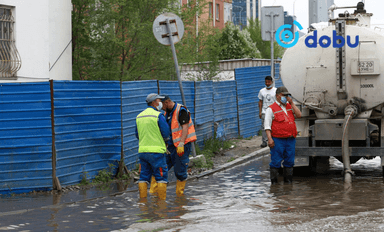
point(180, 149)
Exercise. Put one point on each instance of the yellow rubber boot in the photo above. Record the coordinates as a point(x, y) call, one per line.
point(180, 186)
point(153, 188)
point(162, 190)
point(143, 189)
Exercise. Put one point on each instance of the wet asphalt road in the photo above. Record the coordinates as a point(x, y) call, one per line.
point(239, 199)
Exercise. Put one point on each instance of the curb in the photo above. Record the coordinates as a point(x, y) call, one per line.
point(231, 164)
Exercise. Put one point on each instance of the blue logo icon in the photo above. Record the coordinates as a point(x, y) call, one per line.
point(287, 36)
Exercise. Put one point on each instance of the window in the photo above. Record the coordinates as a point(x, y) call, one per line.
point(10, 61)
point(217, 11)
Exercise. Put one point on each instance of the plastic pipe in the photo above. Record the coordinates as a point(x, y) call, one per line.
point(345, 147)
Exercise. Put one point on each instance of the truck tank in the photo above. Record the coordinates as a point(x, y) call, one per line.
point(339, 89)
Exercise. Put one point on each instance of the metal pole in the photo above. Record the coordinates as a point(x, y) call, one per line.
point(272, 40)
point(178, 73)
point(55, 181)
point(53, 136)
point(121, 164)
point(214, 12)
point(176, 62)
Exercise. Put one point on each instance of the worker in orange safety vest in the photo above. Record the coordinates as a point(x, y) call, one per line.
point(183, 132)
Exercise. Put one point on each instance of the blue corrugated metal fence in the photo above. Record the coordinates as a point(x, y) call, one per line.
point(225, 108)
point(204, 118)
point(90, 118)
point(249, 82)
point(133, 100)
point(171, 88)
point(26, 137)
point(87, 128)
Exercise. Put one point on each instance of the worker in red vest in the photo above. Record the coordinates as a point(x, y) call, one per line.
point(281, 131)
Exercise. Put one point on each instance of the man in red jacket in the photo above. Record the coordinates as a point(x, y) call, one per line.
point(281, 131)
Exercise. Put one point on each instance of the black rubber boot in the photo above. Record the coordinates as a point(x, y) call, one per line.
point(288, 174)
point(274, 174)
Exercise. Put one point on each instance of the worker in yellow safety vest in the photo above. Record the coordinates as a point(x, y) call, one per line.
point(153, 131)
point(183, 132)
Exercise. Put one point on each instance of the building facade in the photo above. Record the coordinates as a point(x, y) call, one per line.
point(318, 10)
point(243, 10)
point(35, 43)
point(218, 12)
point(289, 19)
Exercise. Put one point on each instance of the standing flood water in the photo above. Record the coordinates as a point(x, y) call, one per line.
point(239, 199)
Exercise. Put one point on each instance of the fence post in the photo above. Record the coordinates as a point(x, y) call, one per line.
point(55, 181)
point(122, 168)
point(237, 104)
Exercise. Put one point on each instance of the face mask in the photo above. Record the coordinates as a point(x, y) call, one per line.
point(268, 86)
point(160, 106)
point(283, 100)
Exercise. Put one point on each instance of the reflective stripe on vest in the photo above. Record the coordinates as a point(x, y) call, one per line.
point(150, 139)
point(283, 124)
point(177, 129)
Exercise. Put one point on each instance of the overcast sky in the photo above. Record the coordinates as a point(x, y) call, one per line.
point(301, 9)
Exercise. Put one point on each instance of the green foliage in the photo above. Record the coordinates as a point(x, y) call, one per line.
point(81, 37)
point(236, 44)
point(201, 50)
point(254, 29)
point(199, 163)
point(137, 167)
point(113, 40)
point(231, 159)
point(212, 146)
point(84, 178)
point(124, 177)
point(105, 175)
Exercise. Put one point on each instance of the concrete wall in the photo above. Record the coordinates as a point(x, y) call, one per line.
point(42, 31)
point(226, 69)
point(60, 35)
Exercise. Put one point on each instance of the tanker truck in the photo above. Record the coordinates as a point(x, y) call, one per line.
point(340, 90)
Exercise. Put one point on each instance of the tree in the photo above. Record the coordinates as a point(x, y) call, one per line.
point(113, 39)
point(81, 40)
point(236, 44)
point(264, 47)
point(200, 49)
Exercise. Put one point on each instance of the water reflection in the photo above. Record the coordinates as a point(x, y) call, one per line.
point(234, 199)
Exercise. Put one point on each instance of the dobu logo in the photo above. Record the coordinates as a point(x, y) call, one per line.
point(338, 41)
point(287, 35)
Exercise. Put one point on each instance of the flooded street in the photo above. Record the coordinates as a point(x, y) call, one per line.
point(239, 199)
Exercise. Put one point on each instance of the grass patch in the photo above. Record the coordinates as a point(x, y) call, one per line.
point(84, 178)
point(212, 146)
point(103, 176)
point(231, 159)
